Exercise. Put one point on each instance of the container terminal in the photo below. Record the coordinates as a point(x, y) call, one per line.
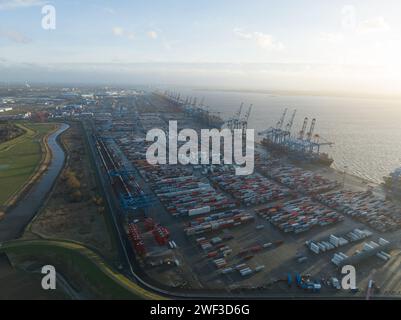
point(302, 148)
point(284, 230)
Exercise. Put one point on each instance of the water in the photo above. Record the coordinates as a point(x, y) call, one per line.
point(366, 132)
point(19, 216)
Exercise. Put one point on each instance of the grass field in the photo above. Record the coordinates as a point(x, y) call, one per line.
point(81, 266)
point(20, 157)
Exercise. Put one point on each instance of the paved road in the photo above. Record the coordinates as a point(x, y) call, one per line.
point(14, 223)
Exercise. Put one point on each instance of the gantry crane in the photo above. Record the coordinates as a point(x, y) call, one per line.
point(233, 123)
point(311, 130)
point(289, 125)
point(279, 124)
point(303, 130)
point(244, 121)
point(236, 124)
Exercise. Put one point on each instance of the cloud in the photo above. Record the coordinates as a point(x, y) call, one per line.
point(239, 33)
point(332, 37)
point(263, 40)
point(120, 32)
point(15, 4)
point(152, 34)
point(351, 22)
point(376, 24)
point(14, 36)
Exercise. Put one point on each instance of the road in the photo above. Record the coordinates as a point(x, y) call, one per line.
point(15, 221)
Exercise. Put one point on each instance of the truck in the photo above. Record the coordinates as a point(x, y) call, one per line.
point(302, 259)
point(335, 283)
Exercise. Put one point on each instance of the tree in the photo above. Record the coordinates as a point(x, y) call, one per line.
point(76, 196)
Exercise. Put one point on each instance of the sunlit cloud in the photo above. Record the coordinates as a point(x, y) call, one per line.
point(120, 32)
point(376, 24)
point(15, 4)
point(332, 37)
point(152, 34)
point(262, 40)
point(14, 36)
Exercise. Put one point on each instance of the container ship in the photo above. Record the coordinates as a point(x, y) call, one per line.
point(299, 155)
point(304, 147)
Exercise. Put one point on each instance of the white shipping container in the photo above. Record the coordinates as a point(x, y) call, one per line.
point(383, 242)
point(240, 266)
point(322, 247)
point(343, 242)
point(227, 270)
point(314, 248)
point(382, 256)
point(334, 240)
point(373, 244)
point(216, 240)
point(386, 254)
point(198, 211)
point(259, 268)
point(367, 247)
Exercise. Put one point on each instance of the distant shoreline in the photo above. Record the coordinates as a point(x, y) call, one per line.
point(306, 93)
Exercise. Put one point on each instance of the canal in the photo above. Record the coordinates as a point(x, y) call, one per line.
point(15, 221)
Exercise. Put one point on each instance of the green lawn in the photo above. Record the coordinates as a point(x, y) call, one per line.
point(80, 265)
point(19, 158)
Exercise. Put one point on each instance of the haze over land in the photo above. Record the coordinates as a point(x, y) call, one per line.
point(324, 46)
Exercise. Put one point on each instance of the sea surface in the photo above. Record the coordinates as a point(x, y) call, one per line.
point(366, 132)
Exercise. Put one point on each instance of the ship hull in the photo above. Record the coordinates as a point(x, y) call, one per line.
point(299, 156)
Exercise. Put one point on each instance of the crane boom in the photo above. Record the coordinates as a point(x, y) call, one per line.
point(238, 114)
point(246, 118)
point(302, 132)
point(290, 124)
point(281, 121)
point(311, 130)
point(243, 124)
point(237, 117)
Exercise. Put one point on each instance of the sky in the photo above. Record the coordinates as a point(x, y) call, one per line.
point(314, 45)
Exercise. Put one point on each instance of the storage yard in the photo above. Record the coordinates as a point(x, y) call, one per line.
point(379, 214)
point(282, 230)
